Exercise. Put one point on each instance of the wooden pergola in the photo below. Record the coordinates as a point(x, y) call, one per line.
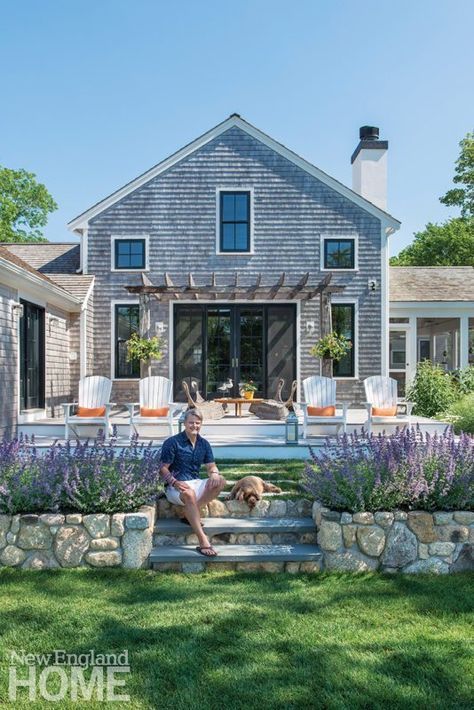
point(282, 289)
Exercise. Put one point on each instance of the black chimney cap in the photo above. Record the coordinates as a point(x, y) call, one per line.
point(369, 139)
point(369, 133)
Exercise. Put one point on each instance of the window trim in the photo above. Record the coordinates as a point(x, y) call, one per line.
point(113, 304)
point(346, 238)
point(129, 238)
point(230, 188)
point(341, 301)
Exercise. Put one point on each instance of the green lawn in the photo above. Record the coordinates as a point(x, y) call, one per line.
point(225, 640)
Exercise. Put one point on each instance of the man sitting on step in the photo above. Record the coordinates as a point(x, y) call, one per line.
point(182, 456)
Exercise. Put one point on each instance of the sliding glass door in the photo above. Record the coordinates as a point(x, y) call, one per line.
point(216, 347)
point(32, 356)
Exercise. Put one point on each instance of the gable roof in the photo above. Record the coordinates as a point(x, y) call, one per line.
point(431, 283)
point(80, 222)
point(49, 258)
point(42, 261)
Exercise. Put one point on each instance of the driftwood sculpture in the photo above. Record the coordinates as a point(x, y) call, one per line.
point(275, 408)
point(209, 410)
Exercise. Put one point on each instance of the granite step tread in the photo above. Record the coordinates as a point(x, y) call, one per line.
point(238, 553)
point(215, 526)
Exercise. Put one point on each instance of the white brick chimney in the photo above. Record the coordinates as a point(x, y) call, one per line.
point(369, 167)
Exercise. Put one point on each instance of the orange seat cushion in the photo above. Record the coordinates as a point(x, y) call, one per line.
point(384, 412)
point(321, 411)
point(90, 412)
point(160, 412)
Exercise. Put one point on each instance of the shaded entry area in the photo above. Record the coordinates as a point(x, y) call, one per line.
point(216, 343)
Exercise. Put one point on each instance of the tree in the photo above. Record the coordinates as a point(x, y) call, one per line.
point(24, 206)
point(448, 244)
point(451, 243)
point(463, 197)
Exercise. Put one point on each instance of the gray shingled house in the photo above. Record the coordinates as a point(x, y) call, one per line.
point(238, 253)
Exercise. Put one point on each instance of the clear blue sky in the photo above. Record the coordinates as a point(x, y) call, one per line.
point(95, 92)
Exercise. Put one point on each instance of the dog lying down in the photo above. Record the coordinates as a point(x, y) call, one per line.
point(250, 489)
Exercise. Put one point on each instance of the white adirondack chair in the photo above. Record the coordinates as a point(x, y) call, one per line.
point(381, 393)
point(321, 392)
point(94, 393)
point(154, 393)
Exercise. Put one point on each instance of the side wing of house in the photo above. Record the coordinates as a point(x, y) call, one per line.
point(237, 206)
point(431, 318)
point(40, 325)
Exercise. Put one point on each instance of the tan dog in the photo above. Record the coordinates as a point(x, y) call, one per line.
point(250, 489)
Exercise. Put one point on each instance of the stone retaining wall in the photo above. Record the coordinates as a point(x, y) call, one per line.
point(75, 540)
point(396, 541)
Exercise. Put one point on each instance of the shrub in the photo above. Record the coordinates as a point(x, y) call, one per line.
point(88, 478)
point(432, 390)
point(464, 379)
point(461, 415)
point(407, 470)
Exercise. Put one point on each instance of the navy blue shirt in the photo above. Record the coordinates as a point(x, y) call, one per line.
point(182, 459)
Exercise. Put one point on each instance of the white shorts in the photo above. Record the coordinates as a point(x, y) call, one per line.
point(197, 484)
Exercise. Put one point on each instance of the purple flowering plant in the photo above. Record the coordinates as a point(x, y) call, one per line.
point(408, 470)
point(89, 477)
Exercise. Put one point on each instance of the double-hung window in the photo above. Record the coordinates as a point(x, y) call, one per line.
point(234, 221)
point(343, 323)
point(127, 321)
point(339, 254)
point(129, 254)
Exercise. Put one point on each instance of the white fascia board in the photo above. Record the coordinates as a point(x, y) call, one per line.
point(81, 220)
point(88, 294)
point(13, 275)
point(431, 306)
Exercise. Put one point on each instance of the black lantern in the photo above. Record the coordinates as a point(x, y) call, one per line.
point(291, 428)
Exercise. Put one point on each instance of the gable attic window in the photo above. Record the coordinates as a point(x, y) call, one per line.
point(234, 221)
point(129, 254)
point(339, 254)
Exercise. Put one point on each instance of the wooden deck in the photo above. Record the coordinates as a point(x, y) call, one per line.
point(232, 437)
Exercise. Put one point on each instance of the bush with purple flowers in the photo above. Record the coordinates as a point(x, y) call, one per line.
point(408, 470)
point(83, 477)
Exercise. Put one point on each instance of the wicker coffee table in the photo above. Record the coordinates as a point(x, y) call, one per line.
point(238, 401)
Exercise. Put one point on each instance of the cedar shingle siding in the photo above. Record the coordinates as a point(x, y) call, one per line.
point(177, 209)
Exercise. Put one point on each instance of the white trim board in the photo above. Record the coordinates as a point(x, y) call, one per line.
point(81, 221)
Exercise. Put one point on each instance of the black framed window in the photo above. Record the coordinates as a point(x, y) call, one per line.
point(127, 321)
point(339, 253)
point(130, 254)
point(234, 221)
point(343, 323)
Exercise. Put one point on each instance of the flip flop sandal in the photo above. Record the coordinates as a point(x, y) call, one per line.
point(200, 550)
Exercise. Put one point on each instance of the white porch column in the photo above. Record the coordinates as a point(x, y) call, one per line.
point(464, 341)
point(411, 349)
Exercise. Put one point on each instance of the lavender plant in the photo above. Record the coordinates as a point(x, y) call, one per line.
point(408, 470)
point(83, 477)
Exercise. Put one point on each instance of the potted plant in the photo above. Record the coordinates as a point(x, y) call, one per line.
point(331, 347)
point(247, 389)
point(144, 349)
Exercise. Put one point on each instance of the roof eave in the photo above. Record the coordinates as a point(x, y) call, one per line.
point(57, 295)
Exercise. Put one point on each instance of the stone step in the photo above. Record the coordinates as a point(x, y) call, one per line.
point(275, 507)
point(215, 526)
point(229, 531)
point(272, 558)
